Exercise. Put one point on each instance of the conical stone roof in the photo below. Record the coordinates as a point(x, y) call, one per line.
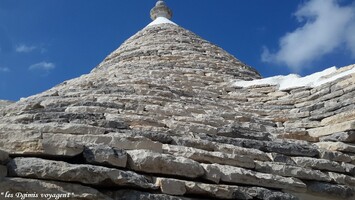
point(169, 47)
point(160, 118)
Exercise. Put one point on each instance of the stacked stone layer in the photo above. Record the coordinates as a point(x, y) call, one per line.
point(160, 119)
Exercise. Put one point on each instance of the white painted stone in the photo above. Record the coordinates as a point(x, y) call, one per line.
point(161, 20)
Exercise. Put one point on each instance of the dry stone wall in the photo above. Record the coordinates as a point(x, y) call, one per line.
point(143, 126)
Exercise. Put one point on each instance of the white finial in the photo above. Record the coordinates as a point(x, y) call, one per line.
point(161, 10)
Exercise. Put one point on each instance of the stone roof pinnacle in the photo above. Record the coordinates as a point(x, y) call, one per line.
point(161, 10)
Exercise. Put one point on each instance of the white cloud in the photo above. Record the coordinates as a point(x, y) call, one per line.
point(46, 66)
point(25, 49)
point(4, 69)
point(326, 27)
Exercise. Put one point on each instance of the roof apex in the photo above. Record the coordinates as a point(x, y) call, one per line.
point(161, 10)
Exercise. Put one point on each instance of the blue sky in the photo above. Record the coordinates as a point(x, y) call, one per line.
point(45, 42)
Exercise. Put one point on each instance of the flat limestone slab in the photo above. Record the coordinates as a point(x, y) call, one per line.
point(203, 156)
point(349, 115)
point(337, 146)
point(152, 162)
point(105, 155)
point(180, 187)
point(328, 130)
point(238, 175)
point(291, 171)
point(85, 174)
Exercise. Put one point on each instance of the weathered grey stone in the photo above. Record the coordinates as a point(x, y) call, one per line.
point(344, 83)
point(302, 93)
point(287, 147)
point(171, 186)
point(327, 189)
point(52, 127)
point(297, 134)
point(216, 191)
point(231, 174)
point(246, 130)
point(265, 194)
point(138, 142)
point(339, 137)
point(309, 106)
point(70, 145)
point(279, 158)
point(343, 179)
point(251, 153)
point(90, 109)
point(44, 189)
point(291, 171)
point(339, 118)
point(292, 116)
point(183, 127)
point(161, 136)
point(209, 157)
point(337, 146)
point(330, 129)
point(86, 174)
point(292, 148)
point(61, 145)
point(151, 162)
point(4, 157)
point(349, 168)
point(320, 164)
point(320, 116)
point(105, 155)
point(277, 94)
point(331, 95)
point(319, 91)
point(349, 88)
point(196, 143)
point(334, 156)
point(3, 171)
point(132, 194)
point(21, 142)
point(301, 124)
point(181, 187)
